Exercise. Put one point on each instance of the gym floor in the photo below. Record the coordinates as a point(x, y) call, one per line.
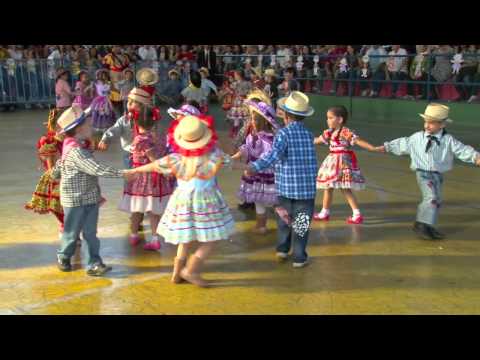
point(379, 267)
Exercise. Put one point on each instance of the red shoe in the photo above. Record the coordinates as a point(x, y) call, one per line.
point(134, 239)
point(318, 217)
point(356, 221)
point(153, 245)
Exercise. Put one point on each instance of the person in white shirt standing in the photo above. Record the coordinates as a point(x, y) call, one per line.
point(377, 57)
point(147, 53)
point(397, 66)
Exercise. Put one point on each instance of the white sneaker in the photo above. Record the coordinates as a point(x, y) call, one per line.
point(300, 265)
point(472, 98)
point(281, 256)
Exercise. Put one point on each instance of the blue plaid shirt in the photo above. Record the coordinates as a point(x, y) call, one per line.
point(294, 153)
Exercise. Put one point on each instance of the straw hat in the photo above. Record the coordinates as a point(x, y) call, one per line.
point(192, 133)
point(71, 118)
point(436, 112)
point(259, 95)
point(296, 103)
point(270, 72)
point(141, 96)
point(257, 71)
point(147, 76)
point(185, 110)
point(265, 110)
point(173, 71)
point(204, 70)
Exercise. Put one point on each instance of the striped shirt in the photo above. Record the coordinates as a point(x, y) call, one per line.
point(79, 183)
point(293, 152)
point(438, 158)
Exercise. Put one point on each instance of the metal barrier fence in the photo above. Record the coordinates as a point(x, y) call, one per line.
point(315, 68)
point(33, 82)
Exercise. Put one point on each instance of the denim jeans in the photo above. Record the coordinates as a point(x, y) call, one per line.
point(430, 184)
point(397, 76)
point(287, 234)
point(377, 75)
point(81, 219)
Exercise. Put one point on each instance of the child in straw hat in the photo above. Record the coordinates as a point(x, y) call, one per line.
point(293, 153)
point(196, 211)
point(80, 191)
point(124, 126)
point(431, 152)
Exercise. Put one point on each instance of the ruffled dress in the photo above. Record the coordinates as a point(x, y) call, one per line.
point(340, 168)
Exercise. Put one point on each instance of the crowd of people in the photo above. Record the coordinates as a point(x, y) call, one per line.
point(28, 73)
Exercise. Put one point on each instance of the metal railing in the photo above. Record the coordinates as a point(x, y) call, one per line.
point(33, 82)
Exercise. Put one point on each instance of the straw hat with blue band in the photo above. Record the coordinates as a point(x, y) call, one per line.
point(296, 103)
point(71, 118)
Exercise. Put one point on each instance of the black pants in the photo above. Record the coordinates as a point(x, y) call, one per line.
point(466, 76)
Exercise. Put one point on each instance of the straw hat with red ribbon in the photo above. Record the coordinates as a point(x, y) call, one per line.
point(192, 135)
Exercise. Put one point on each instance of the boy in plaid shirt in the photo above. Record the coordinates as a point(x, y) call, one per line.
point(294, 154)
point(80, 191)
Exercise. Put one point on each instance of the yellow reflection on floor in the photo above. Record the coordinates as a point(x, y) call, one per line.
point(376, 268)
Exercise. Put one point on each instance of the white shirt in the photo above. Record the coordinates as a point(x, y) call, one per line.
point(147, 54)
point(396, 64)
point(281, 56)
point(438, 158)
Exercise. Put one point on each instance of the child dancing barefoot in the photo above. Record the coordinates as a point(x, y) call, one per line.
point(196, 211)
point(340, 169)
point(260, 187)
point(148, 193)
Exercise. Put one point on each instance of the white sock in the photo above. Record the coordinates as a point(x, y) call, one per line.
point(356, 213)
point(325, 212)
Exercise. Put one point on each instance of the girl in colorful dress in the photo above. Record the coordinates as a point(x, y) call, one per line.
point(238, 114)
point(226, 92)
point(63, 92)
point(102, 110)
point(149, 192)
point(340, 169)
point(196, 211)
point(46, 198)
point(84, 91)
point(259, 188)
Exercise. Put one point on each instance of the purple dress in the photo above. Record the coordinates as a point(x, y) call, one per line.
point(82, 99)
point(259, 188)
point(102, 110)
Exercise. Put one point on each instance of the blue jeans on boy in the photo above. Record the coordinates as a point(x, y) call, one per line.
point(82, 219)
point(288, 233)
point(430, 184)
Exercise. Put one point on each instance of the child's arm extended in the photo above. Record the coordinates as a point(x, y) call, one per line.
point(114, 131)
point(237, 156)
point(400, 146)
point(366, 145)
point(464, 152)
point(319, 140)
point(86, 163)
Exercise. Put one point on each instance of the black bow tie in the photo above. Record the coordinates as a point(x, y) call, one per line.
point(430, 139)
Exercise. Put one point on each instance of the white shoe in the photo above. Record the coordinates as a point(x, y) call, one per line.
point(281, 256)
point(300, 265)
point(472, 98)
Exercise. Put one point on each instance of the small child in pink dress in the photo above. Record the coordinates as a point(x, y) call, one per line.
point(63, 92)
point(148, 193)
point(84, 91)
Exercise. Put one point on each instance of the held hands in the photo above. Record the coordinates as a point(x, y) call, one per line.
point(477, 161)
point(380, 149)
point(130, 174)
point(102, 146)
point(317, 140)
